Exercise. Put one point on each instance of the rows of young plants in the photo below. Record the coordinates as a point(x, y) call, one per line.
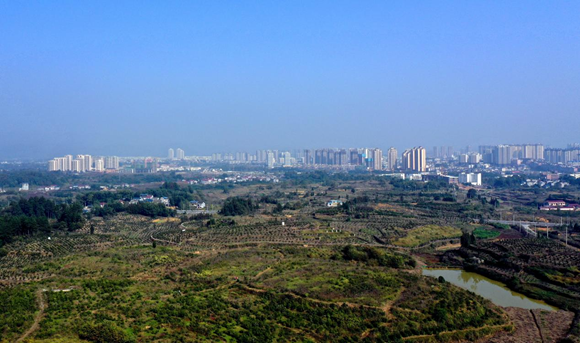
point(534, 252)
point(542, 268)
point(165, 295)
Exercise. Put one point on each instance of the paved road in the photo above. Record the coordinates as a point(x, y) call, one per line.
point(196, 212)
point(517, 222)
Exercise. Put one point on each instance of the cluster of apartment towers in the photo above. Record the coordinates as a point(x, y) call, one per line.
point(507, 154)
point(413, 159)
point(83, 163)
point(178, 154)
point(371, 158)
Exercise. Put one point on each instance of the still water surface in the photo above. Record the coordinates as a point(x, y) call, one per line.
point(495, 291)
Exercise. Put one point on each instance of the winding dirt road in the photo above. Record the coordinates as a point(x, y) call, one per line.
point(38, 318)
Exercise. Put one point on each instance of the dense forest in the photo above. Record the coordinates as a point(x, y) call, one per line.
point(27, 217)
point(38, 215)
point(238, 206)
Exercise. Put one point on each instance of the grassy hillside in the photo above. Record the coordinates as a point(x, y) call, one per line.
point(145, 294)
point(427, 233)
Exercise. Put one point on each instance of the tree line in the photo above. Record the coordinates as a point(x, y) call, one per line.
point(27, 217)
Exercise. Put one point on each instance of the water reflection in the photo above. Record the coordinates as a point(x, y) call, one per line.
point(495, 291)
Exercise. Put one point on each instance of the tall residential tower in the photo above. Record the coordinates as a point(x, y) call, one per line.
point(415, 159)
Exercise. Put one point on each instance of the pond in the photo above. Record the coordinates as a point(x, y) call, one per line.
point(495, 291)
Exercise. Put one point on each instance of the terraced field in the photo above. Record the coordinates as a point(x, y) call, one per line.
point(163, 294)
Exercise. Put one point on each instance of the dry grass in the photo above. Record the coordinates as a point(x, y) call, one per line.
point(425, 234)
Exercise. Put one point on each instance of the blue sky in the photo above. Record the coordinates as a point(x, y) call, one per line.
point(135, 78)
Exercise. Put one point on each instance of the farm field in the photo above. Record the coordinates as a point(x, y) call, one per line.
point(425, 234)
point(285, 293)
point(279, 265)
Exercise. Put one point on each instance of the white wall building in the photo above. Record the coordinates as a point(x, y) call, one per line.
point(112, 162)
point(99, 165)
point(470, 178)
point(180, 154)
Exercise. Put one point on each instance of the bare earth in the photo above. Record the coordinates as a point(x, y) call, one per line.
point(535, 326)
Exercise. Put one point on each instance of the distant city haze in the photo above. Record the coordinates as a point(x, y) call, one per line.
point(135, 78)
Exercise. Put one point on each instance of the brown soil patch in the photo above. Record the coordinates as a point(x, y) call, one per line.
point(449, 247)
point(535, 326)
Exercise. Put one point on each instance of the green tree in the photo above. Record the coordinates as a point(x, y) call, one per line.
point(471, 193)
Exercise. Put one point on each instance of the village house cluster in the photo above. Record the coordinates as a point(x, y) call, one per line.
point(559, 205)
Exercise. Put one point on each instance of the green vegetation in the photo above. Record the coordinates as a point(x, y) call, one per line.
point(275, 264)
point(369, 255)
point(524, 266)
point(38, 215)
point(483, 233)
point(238, 206)
point(16, 311)
point(425, 234)
point(150, 210)
point(243, 295)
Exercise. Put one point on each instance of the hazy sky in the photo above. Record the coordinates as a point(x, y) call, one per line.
point(135, 78)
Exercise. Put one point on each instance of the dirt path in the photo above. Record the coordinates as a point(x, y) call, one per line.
point(537, 325)
point(35, 325)
point(262, 272)
point(534, 326)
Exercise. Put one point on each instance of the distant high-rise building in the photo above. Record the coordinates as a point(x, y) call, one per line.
point(77, 166)
point(170, 154)
point(572, 155)
point(180, 154)
point(68, 162)
point(415, 159)
point(58, 164)
point(287, 159)
point(262, 156)
point(308, 157)
point(99, 165)
point(82, 163)
point(111, 162)
point(354, 158)
point(529, 151)
point(374, 159)
point(271, 160)
point(502, 155)
point(86, 162)
point(474, 157)
point(392, 156)
point(555, 156)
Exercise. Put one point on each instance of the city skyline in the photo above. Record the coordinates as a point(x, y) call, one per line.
point(445, 151)
point(414, 160)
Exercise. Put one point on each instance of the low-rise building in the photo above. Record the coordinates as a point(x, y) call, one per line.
point(470, 178)
point(334, 203)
